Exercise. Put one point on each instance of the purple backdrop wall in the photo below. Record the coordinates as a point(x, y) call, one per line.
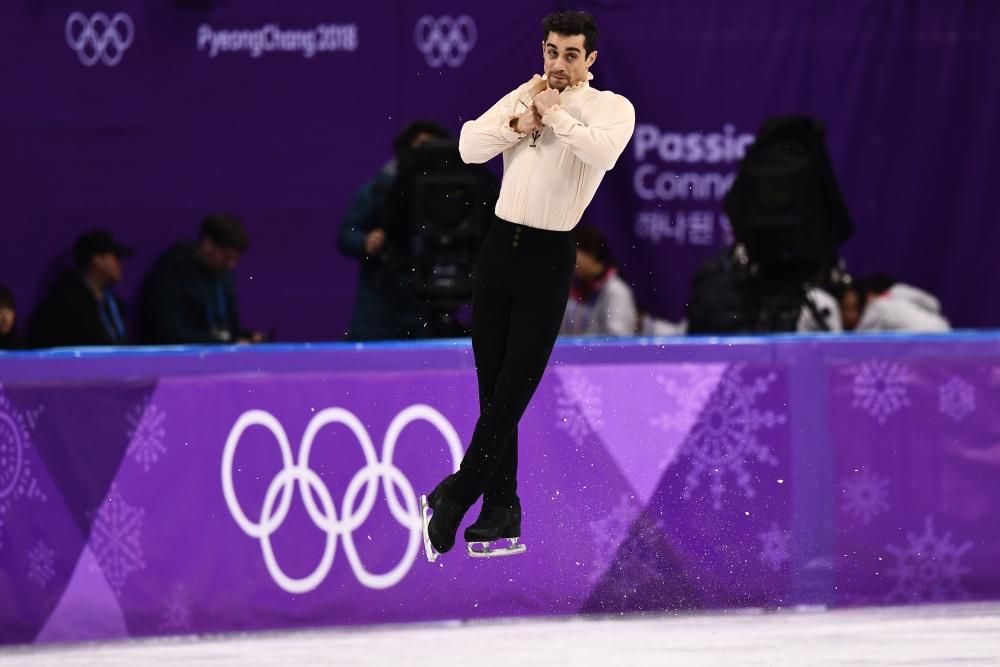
point(146, 146)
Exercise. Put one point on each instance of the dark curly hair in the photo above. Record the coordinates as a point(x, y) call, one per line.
point(7, 298)
point(568, 22)
point(590, 240)
point(226, 231)
point(403, 141)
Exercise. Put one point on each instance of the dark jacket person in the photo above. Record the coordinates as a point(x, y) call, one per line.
point(188, 296)
point(81, 308)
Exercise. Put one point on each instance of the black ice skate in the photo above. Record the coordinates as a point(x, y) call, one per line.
point(496, 523)
point(440, 515)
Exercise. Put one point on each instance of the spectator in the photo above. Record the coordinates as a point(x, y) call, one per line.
point(895, 306)
point(648, 324)
point(386, 306)
point(9, 340)
point(189, 297)
point(81, 308)
point(850, 301)
point(822, 313)
point(600, 303)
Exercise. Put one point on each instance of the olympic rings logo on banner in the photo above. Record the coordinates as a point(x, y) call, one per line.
point(445, 40)
point(99, 38)
point(311, 487)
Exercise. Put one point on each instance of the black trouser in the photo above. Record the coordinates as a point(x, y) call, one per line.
point(522, 283)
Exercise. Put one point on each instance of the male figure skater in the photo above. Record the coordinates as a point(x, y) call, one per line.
point(558, 136)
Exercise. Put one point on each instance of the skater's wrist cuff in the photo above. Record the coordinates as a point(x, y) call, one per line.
point(547, 116)
point(509, 133)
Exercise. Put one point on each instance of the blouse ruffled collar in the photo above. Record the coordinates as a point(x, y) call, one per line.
point(576, 86)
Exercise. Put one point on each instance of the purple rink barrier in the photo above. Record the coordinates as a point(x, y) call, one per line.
point(147, 492)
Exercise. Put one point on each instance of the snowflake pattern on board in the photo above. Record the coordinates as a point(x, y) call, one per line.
point(687, 390)
point(775, 547)
point(146, 434)
point(116, 540)
point(880, 388)
point(176, 615)
point(957, 399)
point(41, 564)
point(928, 569)
point(727, 435)
point(31, 417)
point(865, 494)
point(17, 478)
point(608, 533)
point(579, 405)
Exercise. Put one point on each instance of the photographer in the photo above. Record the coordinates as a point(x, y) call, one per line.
point(386, 306)
point(789, 219)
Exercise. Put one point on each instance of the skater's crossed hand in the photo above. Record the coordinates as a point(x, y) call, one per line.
point(527, 122)
point(545, 100)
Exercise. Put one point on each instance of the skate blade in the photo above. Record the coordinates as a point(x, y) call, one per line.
point(486, 550)
point(425, 517)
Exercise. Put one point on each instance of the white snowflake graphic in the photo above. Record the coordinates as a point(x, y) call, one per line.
point(929, 568)
point(608, 533)
point(41, 564)
point(775, 547)
point(116, 540)
point(176, 615)
point(726, 435)
point(880, 388)
point(957, 398)
point(31, 417)
point(578, 405)
point(687, 389)
point(866, 495)
point(146, 434)
point(17, 479)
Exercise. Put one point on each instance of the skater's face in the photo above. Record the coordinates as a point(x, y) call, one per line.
point(566, 60)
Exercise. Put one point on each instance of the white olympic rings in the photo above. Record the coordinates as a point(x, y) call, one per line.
point(324, 516)
point(98, 38)
point(445, 40)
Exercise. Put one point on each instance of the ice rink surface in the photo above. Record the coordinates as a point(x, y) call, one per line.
point(965, 634)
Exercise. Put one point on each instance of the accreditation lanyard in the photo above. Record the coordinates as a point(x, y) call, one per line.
point(111, 317)
point(217, 310)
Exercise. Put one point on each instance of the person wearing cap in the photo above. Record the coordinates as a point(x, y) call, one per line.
point(81, 308)
point(188, 297)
